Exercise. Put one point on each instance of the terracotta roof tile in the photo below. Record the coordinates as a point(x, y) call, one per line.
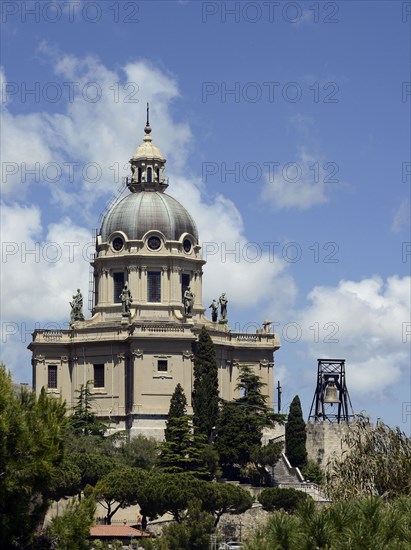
point(116, 531)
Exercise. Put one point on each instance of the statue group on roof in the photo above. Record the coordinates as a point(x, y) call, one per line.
point(222, 302)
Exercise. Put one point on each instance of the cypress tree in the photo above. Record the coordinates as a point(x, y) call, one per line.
point(205, 393)
point(295, 435)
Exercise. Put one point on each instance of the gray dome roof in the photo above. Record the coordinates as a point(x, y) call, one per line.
point(140, 212)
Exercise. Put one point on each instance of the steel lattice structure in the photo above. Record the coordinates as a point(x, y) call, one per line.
point(331, 374)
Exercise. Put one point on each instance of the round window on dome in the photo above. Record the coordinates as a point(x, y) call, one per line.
point(187, 245)
point(118, 244)
point(154, 243)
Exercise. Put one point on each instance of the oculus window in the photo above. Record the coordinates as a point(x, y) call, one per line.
point(187, 245)
point(154, 243)
point(118, 244)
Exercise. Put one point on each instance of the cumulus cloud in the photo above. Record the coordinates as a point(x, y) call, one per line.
point(82, 153)
point(299, 184)
point(39, 272)
point(41, 269)
point(232, 260)
point(366, 322)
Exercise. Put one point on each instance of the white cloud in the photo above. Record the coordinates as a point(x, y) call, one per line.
point(232, 260)
point(281, 373)
point(24, 141)
point(370, 318)
point(39, 273)
point(298, 184)
point(104, 132)
point(402, 217)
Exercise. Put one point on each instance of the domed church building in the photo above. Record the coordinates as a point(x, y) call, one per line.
point(147, 312)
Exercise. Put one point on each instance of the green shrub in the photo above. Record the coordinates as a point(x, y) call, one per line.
point(274, 498)
point(312, 472)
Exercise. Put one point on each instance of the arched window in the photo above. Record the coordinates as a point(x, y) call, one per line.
point(158, 174)
point(149, 174)
point(139, 175)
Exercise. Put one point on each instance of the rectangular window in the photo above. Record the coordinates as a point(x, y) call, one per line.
point(185, 283)
point(52, 377)
point(154, 286)
point(162, 365)
point(118, 279)
point(99, 376)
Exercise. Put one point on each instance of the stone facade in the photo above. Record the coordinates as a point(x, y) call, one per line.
point(136, 352)
point(325, 440)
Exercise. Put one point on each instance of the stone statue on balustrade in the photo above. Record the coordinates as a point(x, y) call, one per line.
point(223, 308)
point(77, 308)
point(126, 300)
point(214, 310)
point(188, 302)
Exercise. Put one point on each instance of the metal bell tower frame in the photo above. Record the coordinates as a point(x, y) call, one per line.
point(331, 402)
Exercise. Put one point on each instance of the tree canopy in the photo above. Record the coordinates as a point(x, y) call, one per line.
point(70, 531)
point(168, 493)
point(295, 435)
point(31, 446)
point(377, 461)
point(224, 498)
point(193, 531)
point(274, 498)
point(178, 408)
point(367, 522)
point(140, 452)
point(119, 489)
point(184, 451)
point(84, 421)
point(205, 391)
point(241, 421)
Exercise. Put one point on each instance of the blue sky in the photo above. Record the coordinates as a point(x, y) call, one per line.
point(286, 126)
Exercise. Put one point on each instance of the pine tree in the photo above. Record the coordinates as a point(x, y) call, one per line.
point(32, 431)
point(205, 393)
point(241, 422)
point(182, 450)
point(295, 435)
point(84, 421)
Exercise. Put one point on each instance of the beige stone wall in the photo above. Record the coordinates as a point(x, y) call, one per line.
point(325, 440)
point(133, 385)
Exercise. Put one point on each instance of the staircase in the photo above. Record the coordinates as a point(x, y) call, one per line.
point(286, 476)
point(283, 472)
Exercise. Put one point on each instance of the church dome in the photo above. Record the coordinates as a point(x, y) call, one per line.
point(140, 212)
point(147, 150)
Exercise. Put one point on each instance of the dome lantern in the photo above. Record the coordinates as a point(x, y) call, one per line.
point(147, 165)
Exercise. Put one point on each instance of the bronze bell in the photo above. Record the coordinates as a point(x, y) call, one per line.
point(331, 394)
